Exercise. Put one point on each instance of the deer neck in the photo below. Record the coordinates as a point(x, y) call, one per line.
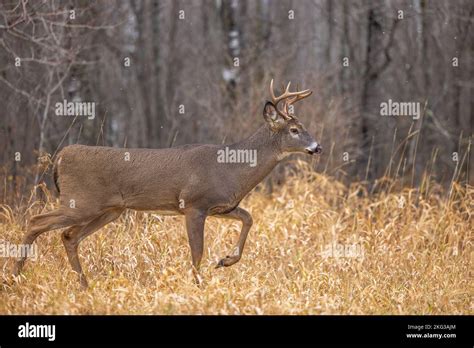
point(266, 146)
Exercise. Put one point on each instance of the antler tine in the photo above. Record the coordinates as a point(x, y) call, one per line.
point(272, 94)
point(299, 96)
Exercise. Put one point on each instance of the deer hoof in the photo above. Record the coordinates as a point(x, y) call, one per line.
point(227, 261)
point(84, 285)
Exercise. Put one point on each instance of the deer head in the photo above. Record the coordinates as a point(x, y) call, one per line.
point(292, 134)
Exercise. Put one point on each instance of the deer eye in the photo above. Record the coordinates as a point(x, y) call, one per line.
point(294, 130)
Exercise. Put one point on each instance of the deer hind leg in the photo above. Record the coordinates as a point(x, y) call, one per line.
point(74, 235)
point(246, 219)
point(38, 225)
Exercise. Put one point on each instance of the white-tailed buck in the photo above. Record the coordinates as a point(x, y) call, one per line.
point(97, 184)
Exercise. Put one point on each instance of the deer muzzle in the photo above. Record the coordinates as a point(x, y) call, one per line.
point(314, 148)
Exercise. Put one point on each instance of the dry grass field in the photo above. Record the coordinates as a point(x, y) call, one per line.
point(316, 247)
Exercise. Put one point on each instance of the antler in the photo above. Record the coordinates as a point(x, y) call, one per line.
point(289, 98)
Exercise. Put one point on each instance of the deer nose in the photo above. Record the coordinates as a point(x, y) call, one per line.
point(314, 148)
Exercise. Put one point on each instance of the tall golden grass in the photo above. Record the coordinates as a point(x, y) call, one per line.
point(317, 247)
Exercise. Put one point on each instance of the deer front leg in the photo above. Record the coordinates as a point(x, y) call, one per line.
point(195, 220)
point(246, 219)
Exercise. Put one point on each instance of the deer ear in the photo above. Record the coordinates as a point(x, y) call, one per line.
point(271, 115)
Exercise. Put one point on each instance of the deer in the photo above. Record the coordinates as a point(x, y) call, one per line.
point(96, 184)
